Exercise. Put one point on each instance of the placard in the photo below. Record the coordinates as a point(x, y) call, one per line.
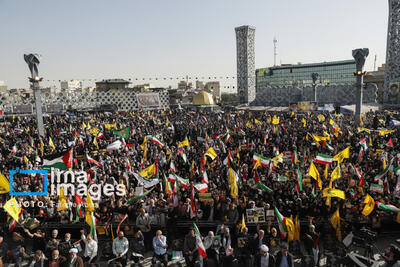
point(205, 197)
point(255, 215)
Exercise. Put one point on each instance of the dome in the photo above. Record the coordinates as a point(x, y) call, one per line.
point(203, 98)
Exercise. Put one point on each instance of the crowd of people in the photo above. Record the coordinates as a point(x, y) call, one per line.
point(169, 160)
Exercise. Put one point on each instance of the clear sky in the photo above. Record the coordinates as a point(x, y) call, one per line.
point(96, 39)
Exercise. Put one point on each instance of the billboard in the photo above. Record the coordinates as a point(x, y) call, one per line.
point(148, 100)
point(19, 109)
point(54, 108)
point(393, 93)
point(303, 106)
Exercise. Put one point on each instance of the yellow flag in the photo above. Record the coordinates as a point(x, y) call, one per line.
point(12, 208)
point(62, 201)
point(95, 143)
point(326, 171)
point(143, 146)
point(297, 229)
point(313, 172)
point(167, 122)
point(344, 154)
point(278, 158)
point(258, 163)
point(385, 132)
point(256, 121)
point(321, 118)
point(26, 159)
point(360, 129)
point(304, 122)
point(369, 205)
point(83, 125)
point(275, 120)
point(184, 143)
point(243, 223)
point(292, 114)
point(233, 184)
point(27, 129)
point(336, 174)
point(331, 192)
point(248, 124)
point(51, 144)
point(94, 131)
point(149, 171)
point(211, 153)
point(335, 221)
point(290, 227)
point(331, 122)
point(4, 185)
point(321, 138)
point(41, 145)
point(398, 217)
point(383, 162)
point(89, 203)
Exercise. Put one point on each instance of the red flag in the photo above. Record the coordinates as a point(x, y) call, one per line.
point(390, 143)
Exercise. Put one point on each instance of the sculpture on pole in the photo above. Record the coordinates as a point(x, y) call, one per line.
point(360, 55)
point(314, 77)
point(33, 61)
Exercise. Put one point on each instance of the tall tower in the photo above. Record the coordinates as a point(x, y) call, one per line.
point(246, 79)
point(392, 72)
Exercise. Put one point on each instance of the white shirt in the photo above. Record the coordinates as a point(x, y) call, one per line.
point(90, 247)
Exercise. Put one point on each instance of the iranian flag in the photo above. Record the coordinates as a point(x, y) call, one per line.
point(227, 137)
point(14, 150)
point(200, 246)
point(264, 160)
point(174, 177)
point(119, 225)
point(387, 207)
point(91, 160)
point(281, 222)
point(100, 135)
point(182, 154)
point(154, 139)
point(172, 167)
point(201, 187)
point(299, 179)
point(381, 175)
point(323, 159)
point(62, 163)
point(205, 177)
point(93, 227)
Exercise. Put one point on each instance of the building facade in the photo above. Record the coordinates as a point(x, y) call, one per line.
point(245, 56)
point(71, 85)
point(3, 86)
point(112, 84)
point(330, 73)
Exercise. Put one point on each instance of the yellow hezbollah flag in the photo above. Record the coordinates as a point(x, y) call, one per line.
point(51, 144)
point(184, 143)
point(243, 223)
point(248, 124)
point(83, 125)
point(4, 185)
point(344, 154)
point(290, 228)
point(256, 121)
point(12, 208)
point(258, 162)
point(369, 205)
point(278, 158)
point(331, 192)
point(363, 130)
point(149, 171)
point(89, 203)
point(321, 118)
point(62, 201)
point(335, 221)
point(336, 174)
point(275, 120)
point(297, 229)
point(313, 172)
point(95, 143)
point(385, 132)
point(233, 184)
point(211, 153)
point(143, 146)
point(94, 131)
point(321, 138)
point(304, 122)
point(41, 145)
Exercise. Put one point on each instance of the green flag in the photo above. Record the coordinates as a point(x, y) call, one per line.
point(124, 133)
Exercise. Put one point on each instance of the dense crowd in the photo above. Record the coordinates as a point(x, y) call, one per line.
point(119, 148)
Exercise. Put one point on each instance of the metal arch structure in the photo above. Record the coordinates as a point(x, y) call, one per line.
point(245, 56)
point(392, 71)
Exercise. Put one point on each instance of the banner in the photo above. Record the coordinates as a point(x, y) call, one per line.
point(148, 100)
point(205, 197)
point(393, 93)
point(255, 215)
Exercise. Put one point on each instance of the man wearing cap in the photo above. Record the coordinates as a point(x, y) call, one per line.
point(264, 259)
point(74, 260)
point(284, 258)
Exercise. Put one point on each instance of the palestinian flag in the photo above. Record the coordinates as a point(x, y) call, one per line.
point(387, 207)
point(91, 160)
point(124, 133)
point(200, 246)
point(100, 135)
point(78, 206)
point(390, 143)
point(260, 185)
point(299, 179)
point(323, 159)
point(381, 175)
point(264, 160)
point(63, 162)
point(363, 144)
point(123, 219)
point(157, 141)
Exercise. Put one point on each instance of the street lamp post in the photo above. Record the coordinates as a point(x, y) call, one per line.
point(314, 77)
point(360, 55)
point(33, 61)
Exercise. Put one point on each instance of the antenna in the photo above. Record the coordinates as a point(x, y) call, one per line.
point(375, 63)
point(275, 41)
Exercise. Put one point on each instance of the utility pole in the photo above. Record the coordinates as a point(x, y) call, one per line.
point(360, 55)
point(33, 61)
point(275, 53)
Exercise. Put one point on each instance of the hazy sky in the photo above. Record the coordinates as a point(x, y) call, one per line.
point(96, 39)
